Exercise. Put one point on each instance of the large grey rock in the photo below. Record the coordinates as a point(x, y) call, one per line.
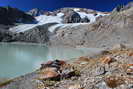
point(100, 70)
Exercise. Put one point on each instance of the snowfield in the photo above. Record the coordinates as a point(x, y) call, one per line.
point(43, 19)
point(60, 14)
point(90, 16)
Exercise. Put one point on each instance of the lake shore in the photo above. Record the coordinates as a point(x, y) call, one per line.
point(25, 58)
point(109, 69)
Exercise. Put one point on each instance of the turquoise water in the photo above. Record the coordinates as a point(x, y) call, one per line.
point(16, 59)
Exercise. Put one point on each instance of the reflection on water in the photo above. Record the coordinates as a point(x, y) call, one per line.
point(17, 59)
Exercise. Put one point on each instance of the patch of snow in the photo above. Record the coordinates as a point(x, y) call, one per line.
point(76, 9)
point(60, 14)
point(22, 28)
point(43, 19)
point(101, 14)
point(73, 25)
point(90, 16)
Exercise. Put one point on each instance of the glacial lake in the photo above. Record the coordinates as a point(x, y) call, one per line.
point(16, 59)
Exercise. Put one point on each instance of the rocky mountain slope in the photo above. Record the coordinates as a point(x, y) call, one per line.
point(77, 27)
point(10, 17)
point(62, 17)
point(52, 21)
point(109, 30)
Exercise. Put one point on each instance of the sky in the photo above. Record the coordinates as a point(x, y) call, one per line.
point(100, 5)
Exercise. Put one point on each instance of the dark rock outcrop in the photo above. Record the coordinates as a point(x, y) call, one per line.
point(72, 17)
point(9, 15)
point(85, 20)
point(5, 35)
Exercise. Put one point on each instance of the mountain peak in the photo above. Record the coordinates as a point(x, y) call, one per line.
point(35, 12)
point(9, 15)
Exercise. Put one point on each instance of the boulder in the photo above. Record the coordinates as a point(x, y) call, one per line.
point(49, 69)
point(100, 70)
point(56, 63)
point(114, 81)
point(106, 60)
point(48, 75)
point(60, 67)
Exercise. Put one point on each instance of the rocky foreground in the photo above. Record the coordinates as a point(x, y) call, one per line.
point(111, 69)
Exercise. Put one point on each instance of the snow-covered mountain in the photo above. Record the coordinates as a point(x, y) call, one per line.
point(63, 17)
point(75, 27)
